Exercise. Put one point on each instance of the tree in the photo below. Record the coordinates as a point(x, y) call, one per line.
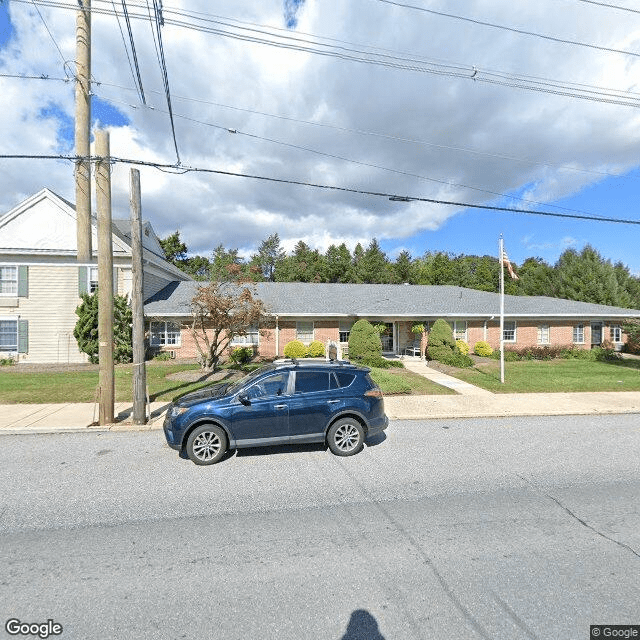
point(270, 253)
point(364, 341)
point(175, 250)
point(224, 263)
point(441, 341)
point(404, 269)
point(86, 329)
point(304, 265)
point(373, 267)
point(337, 262)
point(220, 312)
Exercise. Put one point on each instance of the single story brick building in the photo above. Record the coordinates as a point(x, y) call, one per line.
point(308, 311)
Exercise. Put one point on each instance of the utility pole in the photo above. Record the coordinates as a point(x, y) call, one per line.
point(105, 277)
point(501, 262)
point(139, 369)
point(83, 130)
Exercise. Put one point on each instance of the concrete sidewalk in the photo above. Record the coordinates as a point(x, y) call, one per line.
point(468, 402)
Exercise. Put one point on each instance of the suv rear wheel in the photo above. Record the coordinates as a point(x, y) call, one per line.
point(346, 437)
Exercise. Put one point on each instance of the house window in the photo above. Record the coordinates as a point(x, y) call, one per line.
point(250, 338)
point(578, 334)
point(164, 334)
point(509, 331)
point(9, 281)
point(616, 333)
point(8, 335)
point(92, 272)
point(344, 330)
point(543, 334)
point(304, 331)
point(459, 328)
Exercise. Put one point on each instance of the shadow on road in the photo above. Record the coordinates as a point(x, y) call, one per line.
point(362, 626)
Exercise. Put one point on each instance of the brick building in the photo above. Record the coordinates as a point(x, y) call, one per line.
point(308, 311)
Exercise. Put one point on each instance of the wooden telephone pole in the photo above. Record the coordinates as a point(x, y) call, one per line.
point(105, 277)
point(139, 369)
point(83, 131)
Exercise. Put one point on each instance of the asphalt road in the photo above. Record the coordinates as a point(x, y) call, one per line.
point(507, 528)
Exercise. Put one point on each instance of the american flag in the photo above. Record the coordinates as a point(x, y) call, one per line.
point(506, 263)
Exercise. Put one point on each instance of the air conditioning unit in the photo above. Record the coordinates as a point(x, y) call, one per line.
point(172, 354)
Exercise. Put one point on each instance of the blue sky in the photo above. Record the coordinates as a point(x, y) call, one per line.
point(462, 132)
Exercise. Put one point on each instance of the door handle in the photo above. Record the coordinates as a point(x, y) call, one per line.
point(333, 401)
point(280, 406)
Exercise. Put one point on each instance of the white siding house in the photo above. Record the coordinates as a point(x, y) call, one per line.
point(41, 280)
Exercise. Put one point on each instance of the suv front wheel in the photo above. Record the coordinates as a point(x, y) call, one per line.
point(206, 444)
point(346, 437)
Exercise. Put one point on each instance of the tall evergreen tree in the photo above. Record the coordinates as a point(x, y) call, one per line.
point(337, 261)
point(403, 269)
point(373, 268)
point(269, 254)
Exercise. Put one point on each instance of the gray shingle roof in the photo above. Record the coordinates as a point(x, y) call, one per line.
point(386, 300)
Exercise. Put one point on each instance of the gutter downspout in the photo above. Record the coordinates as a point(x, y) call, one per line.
point(277, 338)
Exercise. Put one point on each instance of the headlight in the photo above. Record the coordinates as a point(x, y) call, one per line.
point(176, 411)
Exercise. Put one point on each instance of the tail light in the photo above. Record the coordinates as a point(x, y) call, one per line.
point(374, 393)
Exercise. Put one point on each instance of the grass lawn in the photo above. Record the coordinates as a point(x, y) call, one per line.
point(80, 386)
point(530, 376)
point(402, 381)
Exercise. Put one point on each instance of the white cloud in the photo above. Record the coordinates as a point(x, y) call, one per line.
point(210, 209)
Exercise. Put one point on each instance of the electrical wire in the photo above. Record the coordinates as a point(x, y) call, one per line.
point(126, 50)
point(511, 29)
point(46, 26)
point(611, 6)
point(370, 165)
point(406, 62)
point(138, 76)
point(182, 169)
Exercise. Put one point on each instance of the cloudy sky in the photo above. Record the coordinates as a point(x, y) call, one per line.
point(426, 98)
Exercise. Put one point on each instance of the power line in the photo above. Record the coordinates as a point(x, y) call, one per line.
point(611, 6)
point(356, 162)
point(46, 26)
point(182, 169)
point(137, 78)
point(511, 29)
point(404, 62)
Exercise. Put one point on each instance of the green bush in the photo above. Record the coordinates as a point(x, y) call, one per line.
point(380, 363)
point(7, 362)
point(509, 355)
point(241, 355)
point(316, 349)
point(482, 349)
point(462, 347)
point(295, 349)
point(364, 341)
point(575, 353)
point(441, 343)
point(451, 358)
point(162, 356)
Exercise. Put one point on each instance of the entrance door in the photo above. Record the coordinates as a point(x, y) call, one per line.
point(596, 334)
point(386, 338)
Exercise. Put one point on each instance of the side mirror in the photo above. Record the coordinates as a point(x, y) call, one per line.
point(244, 399)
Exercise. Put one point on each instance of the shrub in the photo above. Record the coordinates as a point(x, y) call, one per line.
point(241, 355)
point(295, 349)
point(316, 349)
point(606, 355)
point(441, 342)
point(452, 358)
point(380, 363)
point(509, 355)
point(162, 356)
point(462, 347)
point(364, 341)
point(7, 362)
point(482, 349)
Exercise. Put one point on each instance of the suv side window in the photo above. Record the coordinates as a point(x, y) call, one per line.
point(309, 381)
point(273, 385)
point(345, 379)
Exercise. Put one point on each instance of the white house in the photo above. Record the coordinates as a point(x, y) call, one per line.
point(41, 279)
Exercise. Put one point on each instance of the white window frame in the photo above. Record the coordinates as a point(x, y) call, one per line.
point(506, 331)
point(169, 336)
point(615, 333)
point(578, 334)
point(92, 279)
point(302, 333)
point(544, 334)
point(251, 339)
point(12, 282)
point(11, 348)
point(458, 332)
point(344, 328)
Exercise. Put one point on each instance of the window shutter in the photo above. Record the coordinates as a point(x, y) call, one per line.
point(115, 281)
point(83, 280)
point(23, 336)
point(23, 281)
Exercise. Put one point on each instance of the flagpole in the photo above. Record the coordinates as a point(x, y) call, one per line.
point(501, 262)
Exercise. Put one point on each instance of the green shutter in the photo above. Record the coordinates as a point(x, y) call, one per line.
point(23, 281)
point(23, 336)
point(83, 280)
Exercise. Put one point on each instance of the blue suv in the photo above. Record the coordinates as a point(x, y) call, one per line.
point(282, 403)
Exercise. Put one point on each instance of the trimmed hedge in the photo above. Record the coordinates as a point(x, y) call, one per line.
point(316, 349)
point(364, 341)
point(295, 349)
point(482, 349)
point(241, 355)
point(379, 362)
point(462, 347)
